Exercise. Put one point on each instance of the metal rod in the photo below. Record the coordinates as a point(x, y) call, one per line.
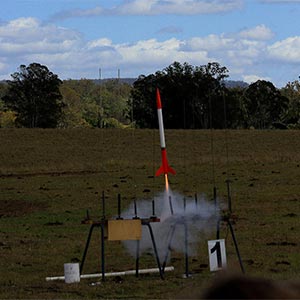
point(216, 209)
point(86, 247)
point(135, 209)
point(186, 250)
point(153, 208)
point(170, 234)
point(215, 197)
point(103, 206)
point(171, 205)
point(236, 246)
point(218, 228)
point(102, 253)
point(155, 250)
point(137, 258)
point(119, 207)
point(229, 195)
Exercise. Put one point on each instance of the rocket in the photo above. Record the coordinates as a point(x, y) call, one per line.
point(164, 168)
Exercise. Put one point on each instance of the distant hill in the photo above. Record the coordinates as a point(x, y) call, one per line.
point(236, 83)
point(130, 81)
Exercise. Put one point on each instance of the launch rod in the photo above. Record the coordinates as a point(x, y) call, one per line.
point(171, 205)
point(103, 206)
point(119, 207)
point(135, 209)
point(153, 208)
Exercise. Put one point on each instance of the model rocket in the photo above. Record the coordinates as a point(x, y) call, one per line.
point(164, 168)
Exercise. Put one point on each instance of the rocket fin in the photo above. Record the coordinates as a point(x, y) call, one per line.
point(160, 171)
point(171, 170)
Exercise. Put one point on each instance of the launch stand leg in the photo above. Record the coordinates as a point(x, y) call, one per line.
point(171, 234)
point(186, 255)
point(137, 259)
point(236, 246)
point(93, 226)
point(147, 223)
point(228, 223)
point(226, 219)
point(186, 250)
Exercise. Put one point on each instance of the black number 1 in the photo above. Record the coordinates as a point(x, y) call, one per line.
point(217, 248)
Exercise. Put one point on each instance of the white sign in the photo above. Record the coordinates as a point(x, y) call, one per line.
point(217, 255)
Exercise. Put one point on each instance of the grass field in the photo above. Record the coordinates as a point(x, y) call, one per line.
point(49, 178)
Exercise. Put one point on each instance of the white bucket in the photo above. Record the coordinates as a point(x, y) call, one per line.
point(71, 272)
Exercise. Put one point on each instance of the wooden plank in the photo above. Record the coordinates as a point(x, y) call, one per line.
point(121, 230)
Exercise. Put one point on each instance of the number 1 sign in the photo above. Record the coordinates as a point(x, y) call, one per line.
point(217, 255)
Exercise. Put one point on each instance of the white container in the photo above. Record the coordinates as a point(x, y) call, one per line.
point(71, 271)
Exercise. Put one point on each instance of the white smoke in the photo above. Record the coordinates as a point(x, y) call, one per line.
point(181, 219)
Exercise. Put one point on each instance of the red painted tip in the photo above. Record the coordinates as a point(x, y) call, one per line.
point(158, 102)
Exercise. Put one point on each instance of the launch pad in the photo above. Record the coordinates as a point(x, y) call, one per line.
point(120, 229)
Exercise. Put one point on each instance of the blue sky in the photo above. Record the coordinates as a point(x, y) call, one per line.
point(253, 39)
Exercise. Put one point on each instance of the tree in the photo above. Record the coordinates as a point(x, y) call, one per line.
point(193, 97)
point(73, 108)
point(292, 114)
point(234, 107)
point(264, 104)
point(35, 97)
point(93, 104)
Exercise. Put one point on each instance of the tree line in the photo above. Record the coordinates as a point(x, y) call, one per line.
point(194, 97)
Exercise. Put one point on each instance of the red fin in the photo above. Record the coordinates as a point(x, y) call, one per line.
point(171, 170)
point(159, 171)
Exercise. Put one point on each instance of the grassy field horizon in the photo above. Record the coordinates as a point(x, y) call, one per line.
point(49, 178)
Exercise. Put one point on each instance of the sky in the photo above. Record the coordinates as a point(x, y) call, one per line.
point(253, 39)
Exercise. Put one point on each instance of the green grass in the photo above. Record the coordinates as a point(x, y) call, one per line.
point(49, 178)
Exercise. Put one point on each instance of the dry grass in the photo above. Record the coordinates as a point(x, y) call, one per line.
point(49, 178)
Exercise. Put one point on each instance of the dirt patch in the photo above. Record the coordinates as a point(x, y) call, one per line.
point(16, 208)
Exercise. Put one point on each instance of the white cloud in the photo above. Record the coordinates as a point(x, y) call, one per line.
point(151, 52)
point(22, 29)
point(69, 55)
point(100, 43)
point(211, 42)
point(286, 50)
point(260, 32)
point(27, 40)
point(253, 78)
point(181, 7)
point(28, 35)
point(156, 7)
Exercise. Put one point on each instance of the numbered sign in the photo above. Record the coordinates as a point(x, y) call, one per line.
point(217, 255)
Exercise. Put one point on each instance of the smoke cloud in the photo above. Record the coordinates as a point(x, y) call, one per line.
point(180, 219)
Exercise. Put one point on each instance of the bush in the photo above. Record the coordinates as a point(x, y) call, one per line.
point(7, 119)
point(112, 123)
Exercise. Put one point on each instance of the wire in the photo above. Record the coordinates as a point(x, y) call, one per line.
point(212, 143)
